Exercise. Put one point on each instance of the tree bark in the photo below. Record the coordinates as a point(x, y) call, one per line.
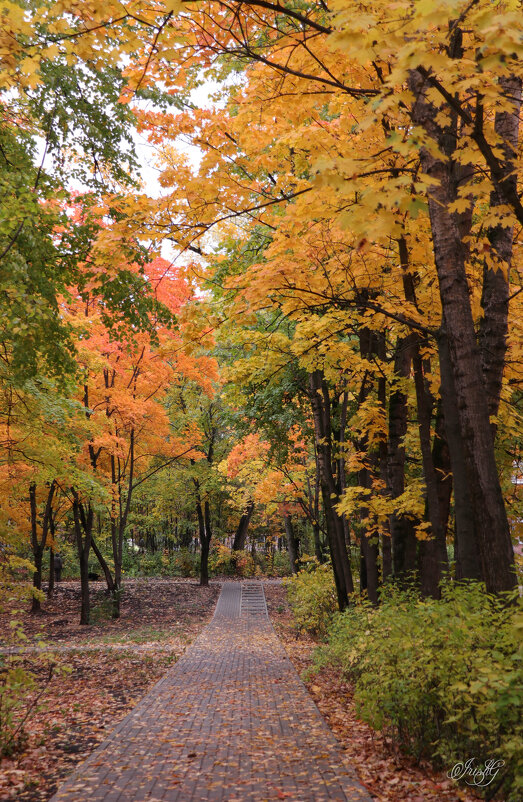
point(488, 509)
point(83, 527)
point(103, 565)
point(320, 403)
point(402, 528)
point(205, 534)
point(292, 543)
point(493, 327)
point(466, 552)
point(243, 527)
point(433, 551)
point(38, 544)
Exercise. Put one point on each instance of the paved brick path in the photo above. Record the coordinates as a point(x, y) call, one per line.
point(230, 722)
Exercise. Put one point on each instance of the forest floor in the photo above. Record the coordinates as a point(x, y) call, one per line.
point(101, 671)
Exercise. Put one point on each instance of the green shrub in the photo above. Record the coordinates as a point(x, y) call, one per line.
point(442, 678)
point(312, 597)
point(281, 564)
point(185, 563)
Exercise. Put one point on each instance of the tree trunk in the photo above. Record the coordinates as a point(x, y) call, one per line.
point(495, 292)
point(204, 530)
point(103, 565)
point(50, 586)
point(38, 544)
point(37, 579)
point(433, 551)
point(292, 543)
point(488, 509)
point(369, 571)
point(466, 552)
point(243, 527)
point(402, 528)
point(386, 555)
point(320, 403)
point(83, 527)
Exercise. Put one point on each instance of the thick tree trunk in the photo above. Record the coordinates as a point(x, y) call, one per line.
point(466, 552)
point(292, 543)
point(495, 294)
point(488, 509)
point(243, 527)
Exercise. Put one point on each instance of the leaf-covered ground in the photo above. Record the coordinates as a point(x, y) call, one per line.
point(388, 775)
point(112, 665)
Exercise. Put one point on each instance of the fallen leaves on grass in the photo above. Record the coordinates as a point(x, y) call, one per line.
point(104, 681)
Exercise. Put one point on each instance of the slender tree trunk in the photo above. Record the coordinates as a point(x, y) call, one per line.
point(38, 544)
point(433, 551)
point(52, 531)
point(402, 528)
point(50, 586)
point(103, 565)
point(83, 527)
point(37, 579)
point(205, 534)
point(386, 555)
point(443, 468)
point(204, 565)
point(320, 402)
point(318, 546)
point(369, 571)
point(292, 543)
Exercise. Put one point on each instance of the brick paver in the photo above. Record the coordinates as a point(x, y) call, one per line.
point(230, 722)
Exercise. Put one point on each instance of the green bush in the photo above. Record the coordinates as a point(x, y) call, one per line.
point(312, 597)
point(185, 563)
point(281, 564)
point(161, 563)
point(442, 678)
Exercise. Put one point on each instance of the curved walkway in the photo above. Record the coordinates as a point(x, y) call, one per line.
point(230, 722)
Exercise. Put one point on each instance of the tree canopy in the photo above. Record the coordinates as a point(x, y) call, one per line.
point(331, 355)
